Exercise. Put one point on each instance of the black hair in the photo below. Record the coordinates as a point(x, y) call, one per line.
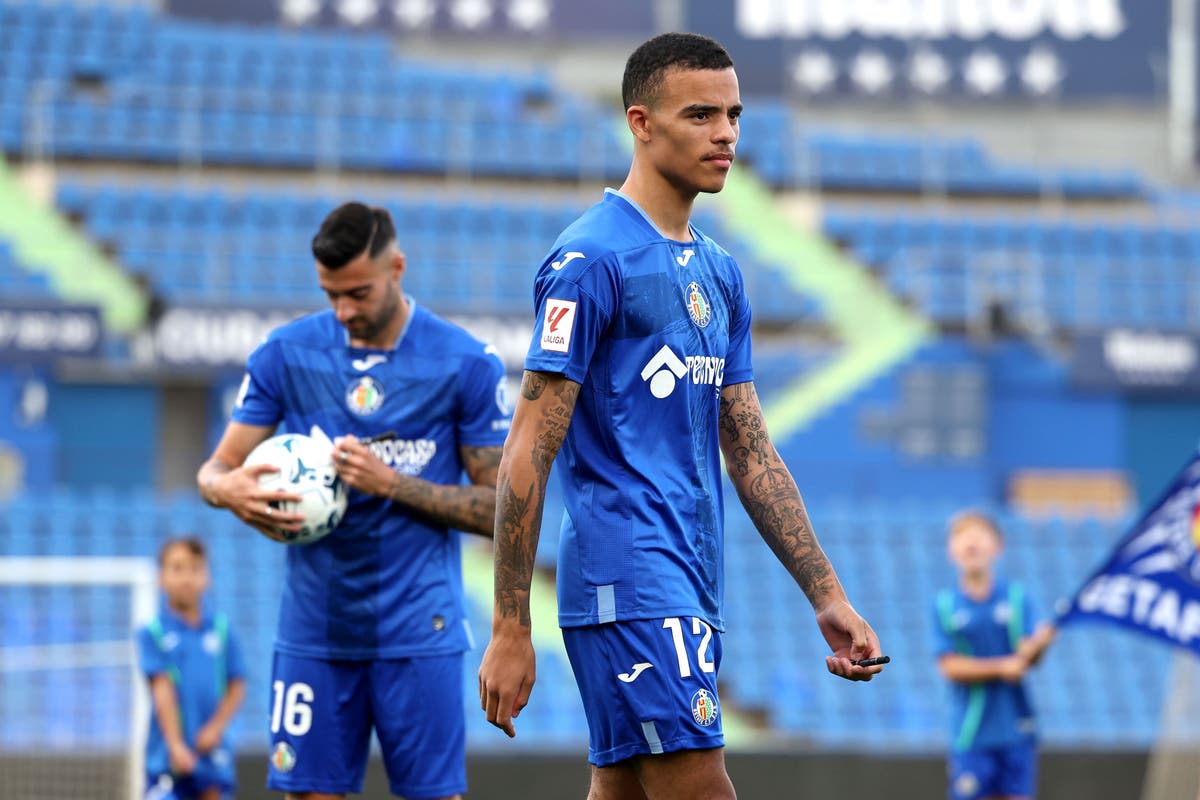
point(190, 543)
point(350, 230)
point(645, 68)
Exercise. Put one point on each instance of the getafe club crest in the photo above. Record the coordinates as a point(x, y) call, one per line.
point(364, 396)
point(704, 707)
point(697, 305)
point(283, 758)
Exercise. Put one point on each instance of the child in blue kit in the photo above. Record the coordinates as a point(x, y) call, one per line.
point(988, 636)
point(197, 683)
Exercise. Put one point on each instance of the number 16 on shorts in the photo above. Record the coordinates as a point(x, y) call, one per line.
point(291, 708)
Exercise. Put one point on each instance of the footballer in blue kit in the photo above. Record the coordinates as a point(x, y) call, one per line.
point(987, 635)
point(372, 626)
point(197, 682)
point(638, 379)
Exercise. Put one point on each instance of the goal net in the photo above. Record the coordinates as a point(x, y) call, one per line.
point(73, 707)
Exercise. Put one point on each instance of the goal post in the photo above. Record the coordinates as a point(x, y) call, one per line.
point(73, 704)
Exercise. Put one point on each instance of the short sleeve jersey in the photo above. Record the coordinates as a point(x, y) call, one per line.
point(651, 329)
point(200, 661)
point(386, 583)
point(993, 713)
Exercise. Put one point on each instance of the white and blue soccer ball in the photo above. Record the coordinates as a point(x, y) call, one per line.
point(306, 468)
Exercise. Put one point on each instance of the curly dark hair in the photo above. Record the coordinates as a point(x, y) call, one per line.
point(645, 68)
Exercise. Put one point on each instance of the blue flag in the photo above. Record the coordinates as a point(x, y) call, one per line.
point(1151, 582)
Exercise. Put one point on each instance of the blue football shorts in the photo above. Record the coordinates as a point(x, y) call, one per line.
point(322, 713)
point(165, 786)
point(1005, 771)
point(648, 686)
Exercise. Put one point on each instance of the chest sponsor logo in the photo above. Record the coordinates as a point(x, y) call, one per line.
point(366, 362)
point(666, 369)
point(364, 396)
point(698, 306)
point(558, 324)
point(407, 456)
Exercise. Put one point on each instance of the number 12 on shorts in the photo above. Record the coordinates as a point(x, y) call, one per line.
point(675, 626)
point(291, 708)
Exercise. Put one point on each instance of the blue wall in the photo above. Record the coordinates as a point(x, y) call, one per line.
point(108, 435)
point(1161, 435)
point(1031, 418)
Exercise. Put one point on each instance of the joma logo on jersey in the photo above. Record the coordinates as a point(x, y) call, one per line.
point(407, 456)
point(666, 369)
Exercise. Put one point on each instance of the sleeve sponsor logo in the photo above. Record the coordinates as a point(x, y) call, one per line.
point(558, 324)
point(242, 390)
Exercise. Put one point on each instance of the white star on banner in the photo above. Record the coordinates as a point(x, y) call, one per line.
point(357, 12)
point(1041, 70)
point(414, 13)
point(814, 71)
point(471, 14)
point(928, 71)
point(298, 12)
point(984, 72)
point(871, 71)
point(529, 15)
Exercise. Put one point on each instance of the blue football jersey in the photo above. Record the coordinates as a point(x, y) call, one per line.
point(200, 661)
point(995, 713)
point(386, 583)
point(651, 329)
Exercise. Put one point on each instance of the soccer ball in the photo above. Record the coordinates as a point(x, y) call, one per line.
point(305, 468)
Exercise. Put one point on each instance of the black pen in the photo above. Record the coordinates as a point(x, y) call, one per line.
point(386, 436)
point(871, 662)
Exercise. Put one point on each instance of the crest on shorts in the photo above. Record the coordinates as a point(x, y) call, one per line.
point(704, 707)
point(283, 758)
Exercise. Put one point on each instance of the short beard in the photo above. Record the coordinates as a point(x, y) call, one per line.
point(390, 306)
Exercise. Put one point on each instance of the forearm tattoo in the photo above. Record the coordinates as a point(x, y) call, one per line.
point(522, 492)
point(470, 508)
point(769, 493)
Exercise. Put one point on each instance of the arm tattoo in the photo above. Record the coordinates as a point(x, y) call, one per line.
point(521, 497)
point(515, 552)
point(769, 493)
point(467, 508)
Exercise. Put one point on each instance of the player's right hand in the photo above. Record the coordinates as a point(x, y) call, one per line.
point(238, 490)
point(506, 677)
point(181, 758)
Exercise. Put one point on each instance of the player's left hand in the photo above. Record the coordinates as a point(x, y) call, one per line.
point(851, 639)
point(360, 469)
point(207, 739)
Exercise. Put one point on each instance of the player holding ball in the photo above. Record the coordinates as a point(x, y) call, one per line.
point(371, 626)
